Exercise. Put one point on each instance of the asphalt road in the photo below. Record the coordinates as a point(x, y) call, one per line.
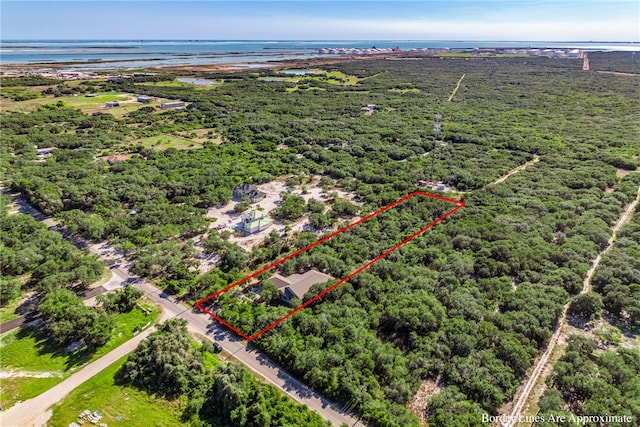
point(248, 355)
point(30, 317)
point(36, 409)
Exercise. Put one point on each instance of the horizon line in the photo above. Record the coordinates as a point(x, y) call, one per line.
point(311, 40)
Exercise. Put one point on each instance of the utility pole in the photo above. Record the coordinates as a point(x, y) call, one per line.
point(436, 132)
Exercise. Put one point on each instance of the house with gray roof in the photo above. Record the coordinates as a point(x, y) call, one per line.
point(248, 191)
point(296, 285)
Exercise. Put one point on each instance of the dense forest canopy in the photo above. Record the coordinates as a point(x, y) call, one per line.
point(586, 382)
point(169, 364)
point(469, 304)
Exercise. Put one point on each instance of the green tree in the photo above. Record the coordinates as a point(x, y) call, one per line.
point(9, 290)
point(122, 300)
point(588, 305)
point(292, 208)
point(165, 363)
point(69, 320)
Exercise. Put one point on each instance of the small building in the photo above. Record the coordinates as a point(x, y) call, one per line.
point(173, 104)
point(248, 191)
point(296, 285)
point(112, 104)
point(144, 99)
point(255, 222)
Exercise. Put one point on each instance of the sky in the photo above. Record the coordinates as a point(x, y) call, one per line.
point(523, 20)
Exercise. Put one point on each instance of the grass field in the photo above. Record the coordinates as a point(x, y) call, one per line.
point(86, 104)
point(330, 77)
point(135, 407)
point(8, 312)
point(340, 78)
point(36, 365)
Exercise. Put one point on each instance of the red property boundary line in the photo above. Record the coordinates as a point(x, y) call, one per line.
point(198, 304)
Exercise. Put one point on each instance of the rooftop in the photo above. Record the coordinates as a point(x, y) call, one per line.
point(299, 284)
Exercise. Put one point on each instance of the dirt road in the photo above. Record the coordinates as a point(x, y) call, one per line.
point(585, 62)
point(626, 216)
point(456, 88)
point(516, 170)
point(525, 391)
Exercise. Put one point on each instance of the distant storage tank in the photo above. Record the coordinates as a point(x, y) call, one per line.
point(575, 53)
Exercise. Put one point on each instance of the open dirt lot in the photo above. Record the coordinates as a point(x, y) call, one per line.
point(228, 220)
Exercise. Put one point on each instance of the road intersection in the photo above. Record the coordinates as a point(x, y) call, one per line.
point(33, 412)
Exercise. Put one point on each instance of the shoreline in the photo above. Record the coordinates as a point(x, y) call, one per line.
point(237, 60)
point(69, 70)
point(61, 69)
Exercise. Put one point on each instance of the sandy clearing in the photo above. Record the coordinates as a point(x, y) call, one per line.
point(419, 402)
point(13, 373)
point(515, 170)
point(228, 220)
point(456, 88)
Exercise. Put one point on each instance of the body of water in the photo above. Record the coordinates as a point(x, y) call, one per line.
point(130, 54)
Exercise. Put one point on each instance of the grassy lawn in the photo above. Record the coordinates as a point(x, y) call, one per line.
point(331, 77)
point(162, 142)
point(74, 101)
point(39, 365)
point(279, 79)
point(87, 104)
point(21, 93)
point(8, 311)
point(135, 407)
point(340, 78)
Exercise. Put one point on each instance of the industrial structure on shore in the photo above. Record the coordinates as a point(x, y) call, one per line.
point(550, 53)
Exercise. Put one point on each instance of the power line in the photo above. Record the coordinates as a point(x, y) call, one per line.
point(436, 133)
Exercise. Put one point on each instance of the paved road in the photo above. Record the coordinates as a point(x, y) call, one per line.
point(17, 322)
point(250, 356)
point(30, 317)
point(198, 322)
